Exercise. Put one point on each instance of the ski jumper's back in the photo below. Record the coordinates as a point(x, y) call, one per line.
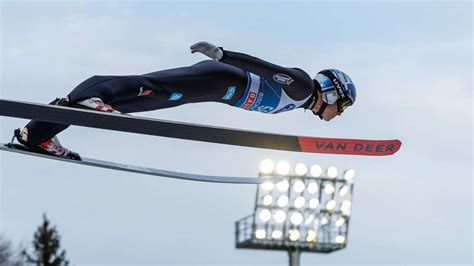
point(237, 79)
point(270, 88)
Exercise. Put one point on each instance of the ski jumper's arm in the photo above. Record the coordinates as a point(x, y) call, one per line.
point(294, 81)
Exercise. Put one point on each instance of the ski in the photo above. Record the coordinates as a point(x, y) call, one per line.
point(17, 148)
point(195, 132)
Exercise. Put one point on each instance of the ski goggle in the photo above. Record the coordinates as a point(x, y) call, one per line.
point(342, 104)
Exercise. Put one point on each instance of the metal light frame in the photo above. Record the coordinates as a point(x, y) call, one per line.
point(316, 235)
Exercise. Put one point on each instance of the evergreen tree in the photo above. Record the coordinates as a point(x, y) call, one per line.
point(46, 247)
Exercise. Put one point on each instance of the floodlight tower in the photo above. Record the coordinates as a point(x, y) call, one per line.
point(309, 210)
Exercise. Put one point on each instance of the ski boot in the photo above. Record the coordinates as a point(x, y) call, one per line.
point(96, 104)
point(51, 146)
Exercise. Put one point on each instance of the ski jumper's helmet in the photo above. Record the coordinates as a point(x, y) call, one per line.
point(336, 87)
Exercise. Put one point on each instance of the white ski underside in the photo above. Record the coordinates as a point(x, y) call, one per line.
point(148, 170)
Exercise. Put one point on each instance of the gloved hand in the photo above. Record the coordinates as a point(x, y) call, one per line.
point(208, 49)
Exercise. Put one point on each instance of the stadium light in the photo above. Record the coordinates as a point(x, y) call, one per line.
point(301, 169)
point(283, 168)
point(349, 174)
point(307, 211)
point(313, 203)
point(332, 172)
point(267, 200)
point(313, 187)
point(282, 201)
point(266, 167)
point(316, 170)
point(283, 185)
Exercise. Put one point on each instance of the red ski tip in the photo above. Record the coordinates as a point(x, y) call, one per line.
point(349, 146)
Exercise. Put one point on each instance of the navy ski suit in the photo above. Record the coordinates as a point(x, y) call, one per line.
point(237, 79)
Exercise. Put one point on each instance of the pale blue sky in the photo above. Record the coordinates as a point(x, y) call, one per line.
point(411, 62)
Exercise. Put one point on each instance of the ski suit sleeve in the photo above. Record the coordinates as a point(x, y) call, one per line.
point(299, 84)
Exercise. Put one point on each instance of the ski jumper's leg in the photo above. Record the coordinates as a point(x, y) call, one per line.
point(206, 81)
point(39, 131)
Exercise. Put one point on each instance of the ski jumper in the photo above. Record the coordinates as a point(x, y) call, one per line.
point(237, 79)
